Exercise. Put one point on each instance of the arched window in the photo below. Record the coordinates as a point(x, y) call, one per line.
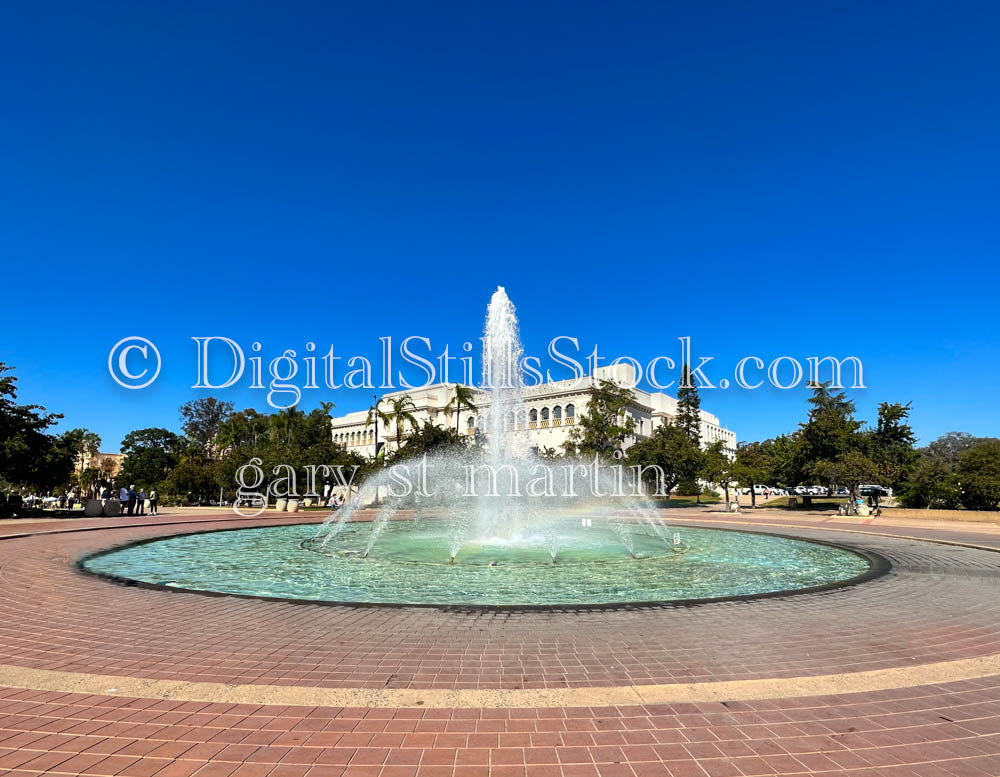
point(570, 411)
point(533, 415)
point(471, 425)
point(557, 412)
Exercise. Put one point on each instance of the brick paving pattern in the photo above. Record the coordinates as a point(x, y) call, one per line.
point(939, 603)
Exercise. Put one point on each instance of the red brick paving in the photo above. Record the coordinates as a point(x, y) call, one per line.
point(938, 603)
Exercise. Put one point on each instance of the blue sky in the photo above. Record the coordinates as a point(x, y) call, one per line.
point(770, 179)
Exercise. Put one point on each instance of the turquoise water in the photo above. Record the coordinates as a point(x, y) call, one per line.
point(409, 565)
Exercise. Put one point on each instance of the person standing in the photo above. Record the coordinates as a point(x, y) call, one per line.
point(141, 503)
point(123, 498)
point(132, 498)
point(154, 497)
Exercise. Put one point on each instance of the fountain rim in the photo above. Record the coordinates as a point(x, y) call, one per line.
point(878, 565)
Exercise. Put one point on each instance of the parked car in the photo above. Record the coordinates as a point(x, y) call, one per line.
point(874, 490)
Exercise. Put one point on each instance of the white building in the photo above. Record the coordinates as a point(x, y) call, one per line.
point(548, 414)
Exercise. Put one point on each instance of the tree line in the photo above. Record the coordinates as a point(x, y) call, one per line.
point(830, 447)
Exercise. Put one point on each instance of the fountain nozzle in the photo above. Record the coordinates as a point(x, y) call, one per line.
point(452, 560)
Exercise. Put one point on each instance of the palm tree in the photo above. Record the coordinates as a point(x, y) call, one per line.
point(463, 396)
point(285, 422)
point(401, 411)
point(375, 415)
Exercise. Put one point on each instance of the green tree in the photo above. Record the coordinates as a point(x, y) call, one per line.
point(830, 431)
point(29, 455)
point(849, 469)
point(689, 406)
point(431, 438)
point(241, 428)
point(193, 477)
point(150, 455)
point(89, 480)
point(376, 415)
point(978, 476)
point(286, 423)
point(754, 465)
point(891, 444)
point(669, 449)
point(948, 448)
point(276, 453)
point(606, 423)
point(689, 420)
point(717, 467)
point(464, 397)
point(203, 419)
point(400, 413)
point(931, 484)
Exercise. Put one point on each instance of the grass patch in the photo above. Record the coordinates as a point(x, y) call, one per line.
point(687, 501)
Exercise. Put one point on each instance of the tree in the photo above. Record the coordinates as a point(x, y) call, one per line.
point(931, 484)
point(375, 416)
point(150, 455)
point(202, 420)
point(717, 467)
point(431, 438)
point(850, 469)
point(830, 431)
point(246, 426)
point(90, 443)
point(284, 424)
point(948, 448)
point(463, 397)
point(30, 456)
point(605, 425)
point(401, 412)
point(668, 448)
point(689, 420)
point(891, 444)
point(193, 477)
point(89, 480)
point(978, 476)
point(274, 452)
point(689, 407)
point(754, 465)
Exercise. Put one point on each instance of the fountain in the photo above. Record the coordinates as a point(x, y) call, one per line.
point(500, 516)
point(498, 527)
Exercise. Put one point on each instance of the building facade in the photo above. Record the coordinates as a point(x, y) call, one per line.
point(545, 420)
point(108, 463)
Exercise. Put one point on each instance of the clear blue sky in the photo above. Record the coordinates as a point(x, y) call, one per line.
point(768, 178)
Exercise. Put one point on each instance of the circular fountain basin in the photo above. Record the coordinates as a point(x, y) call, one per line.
point(410, 565)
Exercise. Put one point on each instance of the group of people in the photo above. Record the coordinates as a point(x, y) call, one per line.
point(134, 502)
